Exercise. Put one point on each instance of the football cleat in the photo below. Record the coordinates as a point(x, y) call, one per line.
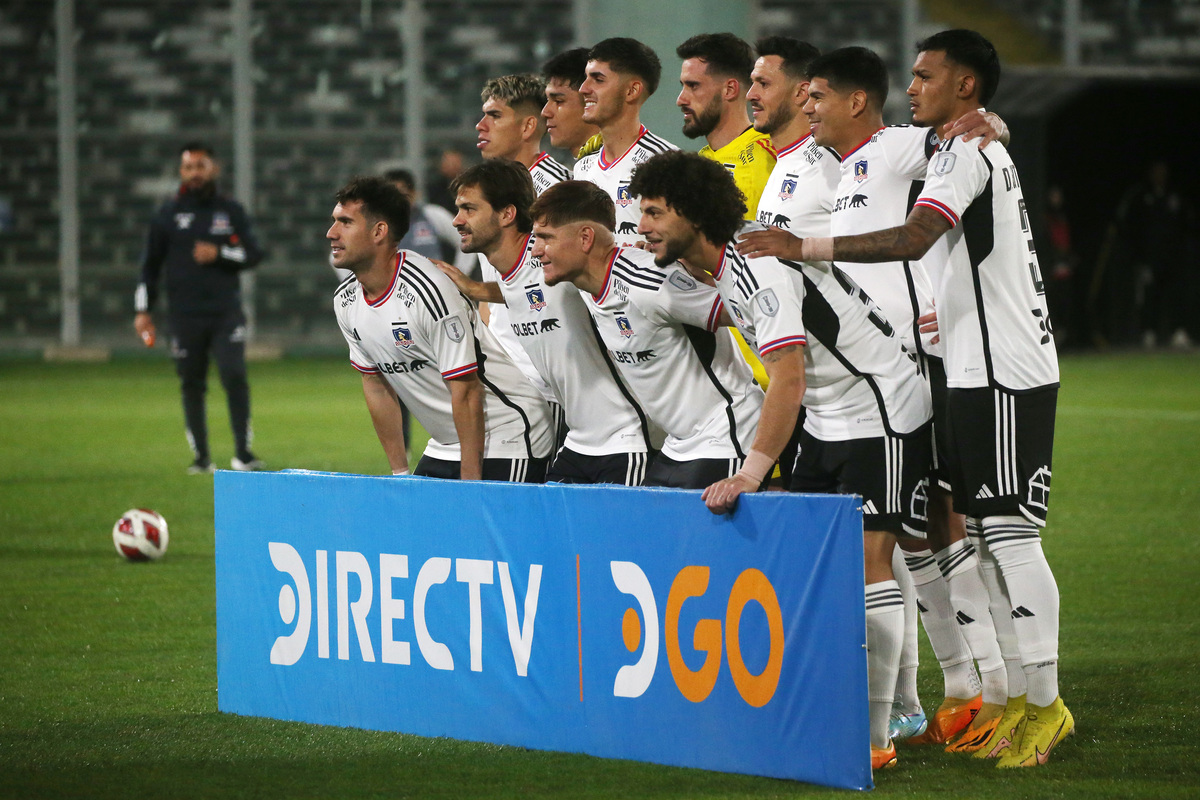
point(247, 462)
point(905, 726)
point(883, 758)
point(1042, 728)
point(1006, 730)
point(201, 466)
point(977, 734)
point(952, 716)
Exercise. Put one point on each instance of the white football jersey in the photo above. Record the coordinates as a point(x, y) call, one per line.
point(991, 298)
point(661, 328)
point(880, 180)
point(614, 176)
point(554, 327)
point(546, 172)
point(421, 333)
point(858, 381)
point(801, 190)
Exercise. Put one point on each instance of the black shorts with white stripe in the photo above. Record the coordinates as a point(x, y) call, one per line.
point(622, 469)
point(891, 473)
point(699, 473)
point(935, 373)
point(509, 470)
point(1001, 445)
point(558, 424)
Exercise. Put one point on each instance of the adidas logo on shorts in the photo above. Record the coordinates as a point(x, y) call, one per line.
point(984, 493)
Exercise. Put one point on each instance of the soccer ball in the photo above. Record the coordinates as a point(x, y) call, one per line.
point(141, 535)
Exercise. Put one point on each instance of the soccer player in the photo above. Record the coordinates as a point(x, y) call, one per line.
point(201, 240)
point(715, 77)
point(867, 430)
point(414, 337)
point(881, 171)
point(608, 437)
point(431, 228)
point(621, 75)
point(660, 324)
point(563, 111)
point(512, 127)
point(1001, 370)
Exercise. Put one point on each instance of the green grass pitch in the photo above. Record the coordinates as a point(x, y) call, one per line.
point(108, 669)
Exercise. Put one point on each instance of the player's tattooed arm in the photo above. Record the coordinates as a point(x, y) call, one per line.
point(388, 420)
point(466, 403)
point(476, 290)
point(781, 409)
point(771, 242)
point(986, 125)
point(907, 242)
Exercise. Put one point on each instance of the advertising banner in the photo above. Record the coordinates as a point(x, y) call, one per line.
point(618, 622)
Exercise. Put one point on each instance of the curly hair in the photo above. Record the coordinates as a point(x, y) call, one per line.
point(381, 200)
point(697, 188)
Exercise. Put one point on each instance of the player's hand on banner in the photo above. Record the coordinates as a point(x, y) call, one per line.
point(205, 252)
point(722, 496)
point(144, 325)
point(771, 242)
point(977, 123)
point(929, 324)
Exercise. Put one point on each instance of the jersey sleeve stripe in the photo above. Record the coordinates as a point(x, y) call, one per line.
point(941, 208)
point(781, 343)
point(362, 369)
point(714, 316)
point(458, 373)
point(428, 292)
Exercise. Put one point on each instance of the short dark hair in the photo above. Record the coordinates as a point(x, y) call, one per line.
point(795, 55)
point(569, 66)
point(969, 49)
point(849, 69)
point(630, 57)
point(198, 147)
point(401, 175)
point(380, 201)
point(503, 182)
point(568, 202)
point(723, 54)
point(698, 188)
point(523, 91)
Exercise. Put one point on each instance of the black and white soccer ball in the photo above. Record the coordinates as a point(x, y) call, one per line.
point(141, 535)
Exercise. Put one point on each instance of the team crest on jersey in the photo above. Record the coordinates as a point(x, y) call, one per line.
point(860, 170)
point(221, 226)
point(768, 302)
point(737, 312)
point(537, 300)
point(454, 329)
point(788, 188)
point(624, 327)
point(402, 336)
point(183, 220)
point(624, 198)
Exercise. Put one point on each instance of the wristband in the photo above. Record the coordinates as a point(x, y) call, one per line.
point(756, 466)
point(400, 471)
point(817, 248)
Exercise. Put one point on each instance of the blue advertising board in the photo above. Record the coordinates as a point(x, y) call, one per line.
point(622, 623)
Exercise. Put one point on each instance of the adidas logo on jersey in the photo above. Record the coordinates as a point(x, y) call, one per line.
point(984, 493)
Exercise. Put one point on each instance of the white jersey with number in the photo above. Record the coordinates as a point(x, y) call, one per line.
point(801, 190)
point(880, 179)
point(554, 327)
point(858, 381)
point(991, 298)
point(422, 333)
point(661, 328)
point(614, 176)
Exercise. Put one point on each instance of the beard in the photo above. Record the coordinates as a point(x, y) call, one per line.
point(704, 121)
point(773, 122)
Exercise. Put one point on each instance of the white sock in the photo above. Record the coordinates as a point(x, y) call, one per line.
point(885, 637)
point(907, 698)
point(1001, 609)
point(941, 628)
point(969, 597)
point(1016, 546)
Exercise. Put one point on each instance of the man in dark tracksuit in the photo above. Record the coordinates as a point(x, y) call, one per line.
point(201, 241)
